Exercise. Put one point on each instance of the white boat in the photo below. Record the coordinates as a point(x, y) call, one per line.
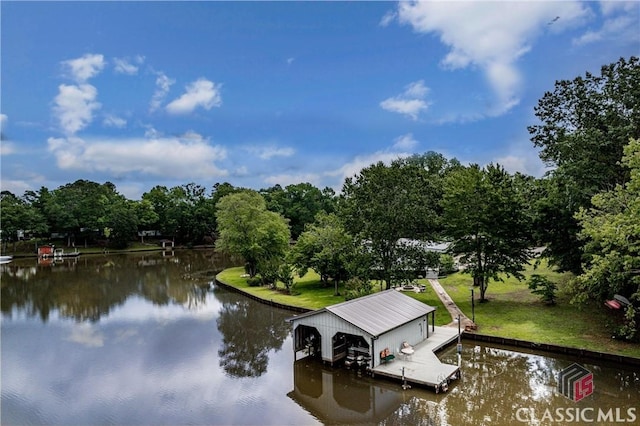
point(5, 259)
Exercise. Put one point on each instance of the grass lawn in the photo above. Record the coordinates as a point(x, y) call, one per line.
point(514, 312)
point(310, 293)
point(511, 312)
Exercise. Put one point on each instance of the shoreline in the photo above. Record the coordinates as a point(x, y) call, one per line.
point(506, 341)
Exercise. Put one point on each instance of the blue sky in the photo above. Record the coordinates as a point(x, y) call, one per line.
point(263, 93)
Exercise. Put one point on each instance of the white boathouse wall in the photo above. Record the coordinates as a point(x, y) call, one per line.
point(412, 332)
point(328, 325)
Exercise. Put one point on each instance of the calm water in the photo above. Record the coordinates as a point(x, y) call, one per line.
point(146, 339)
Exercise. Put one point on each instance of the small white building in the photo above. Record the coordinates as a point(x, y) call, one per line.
point(369, 327)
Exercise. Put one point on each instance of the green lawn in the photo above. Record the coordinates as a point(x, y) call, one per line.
point(511, 312)
point(309, 291)
point(514, 312)
point(311, 294)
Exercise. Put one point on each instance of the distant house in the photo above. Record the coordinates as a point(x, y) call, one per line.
point(365, 326)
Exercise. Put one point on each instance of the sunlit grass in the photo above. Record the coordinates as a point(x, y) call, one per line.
point(511, 312)
point(309, 292)
point(514, 312)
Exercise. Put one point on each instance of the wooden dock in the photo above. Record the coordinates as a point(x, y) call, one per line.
point(423, 367)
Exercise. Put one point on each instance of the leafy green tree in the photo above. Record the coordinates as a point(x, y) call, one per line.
point(159, 199)
point(484, 216)
point(146, 215)
point(78, 209)
point(585, 123)
point(246, 228)
point(122, 222)
point(220, 190)
point(611, 232)
point(17, 214)
point(299, 203)
point(383, 204)
point(326, 247)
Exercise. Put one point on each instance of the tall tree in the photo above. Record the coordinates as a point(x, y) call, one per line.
point(299, 203)
point(121, 221)
point(326, 247)
point(611, 231)
point(485, 217)
point(383, 204)
point(585, 123)
point(78, 208)
point(16, 214)
point(246, 228)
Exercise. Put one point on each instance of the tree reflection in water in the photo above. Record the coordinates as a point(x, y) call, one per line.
point(249, 332)
point(89, 287)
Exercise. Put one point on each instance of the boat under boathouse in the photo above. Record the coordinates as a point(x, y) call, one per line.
point(374, 331)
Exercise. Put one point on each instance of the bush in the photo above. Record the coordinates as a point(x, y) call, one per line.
point(543, 287)
point(355, 287)
point(447, 264)
point(254, 281)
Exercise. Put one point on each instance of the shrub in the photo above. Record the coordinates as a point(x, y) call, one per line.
point(355, 287)
point(543, 287)
point(254, 281)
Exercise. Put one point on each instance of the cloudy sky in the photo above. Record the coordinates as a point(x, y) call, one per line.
point(262, 93)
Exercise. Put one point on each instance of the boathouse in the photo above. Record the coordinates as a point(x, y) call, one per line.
point(370, 327)
point(46, 251)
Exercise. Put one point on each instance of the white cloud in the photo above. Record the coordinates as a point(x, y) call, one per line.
point(186, 157)
point(74, 106)
point(620, 23)
point(521, 156)
point(241, 171)
point(200, 93)
point(7, 148)
point(16, 187)
point(114, 121)
point(268, 152)
point(405, 142)
point(489, 35)
point(127, 66)
point(360, 162)
point(388, 17)
point(411, 102)
point(85, 67)
point(163, 84)
point(86, 335)
point(4, 119)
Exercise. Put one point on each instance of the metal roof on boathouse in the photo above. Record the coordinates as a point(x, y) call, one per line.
point(376, 313)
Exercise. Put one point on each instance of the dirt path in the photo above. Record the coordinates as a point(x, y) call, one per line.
point(451, 306)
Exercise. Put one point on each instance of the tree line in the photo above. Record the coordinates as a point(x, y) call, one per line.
point(584, 211)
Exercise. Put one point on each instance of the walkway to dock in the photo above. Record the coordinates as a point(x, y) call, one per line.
point(451, 306)
point(423, 366)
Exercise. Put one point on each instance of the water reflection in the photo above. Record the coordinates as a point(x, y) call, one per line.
point(249, 332)
point(496, 382)
point(144, 339)
point(89, 287)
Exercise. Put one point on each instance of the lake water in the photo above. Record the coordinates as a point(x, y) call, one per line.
point(147, 339)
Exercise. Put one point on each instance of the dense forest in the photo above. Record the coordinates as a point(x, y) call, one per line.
point(585, 211)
